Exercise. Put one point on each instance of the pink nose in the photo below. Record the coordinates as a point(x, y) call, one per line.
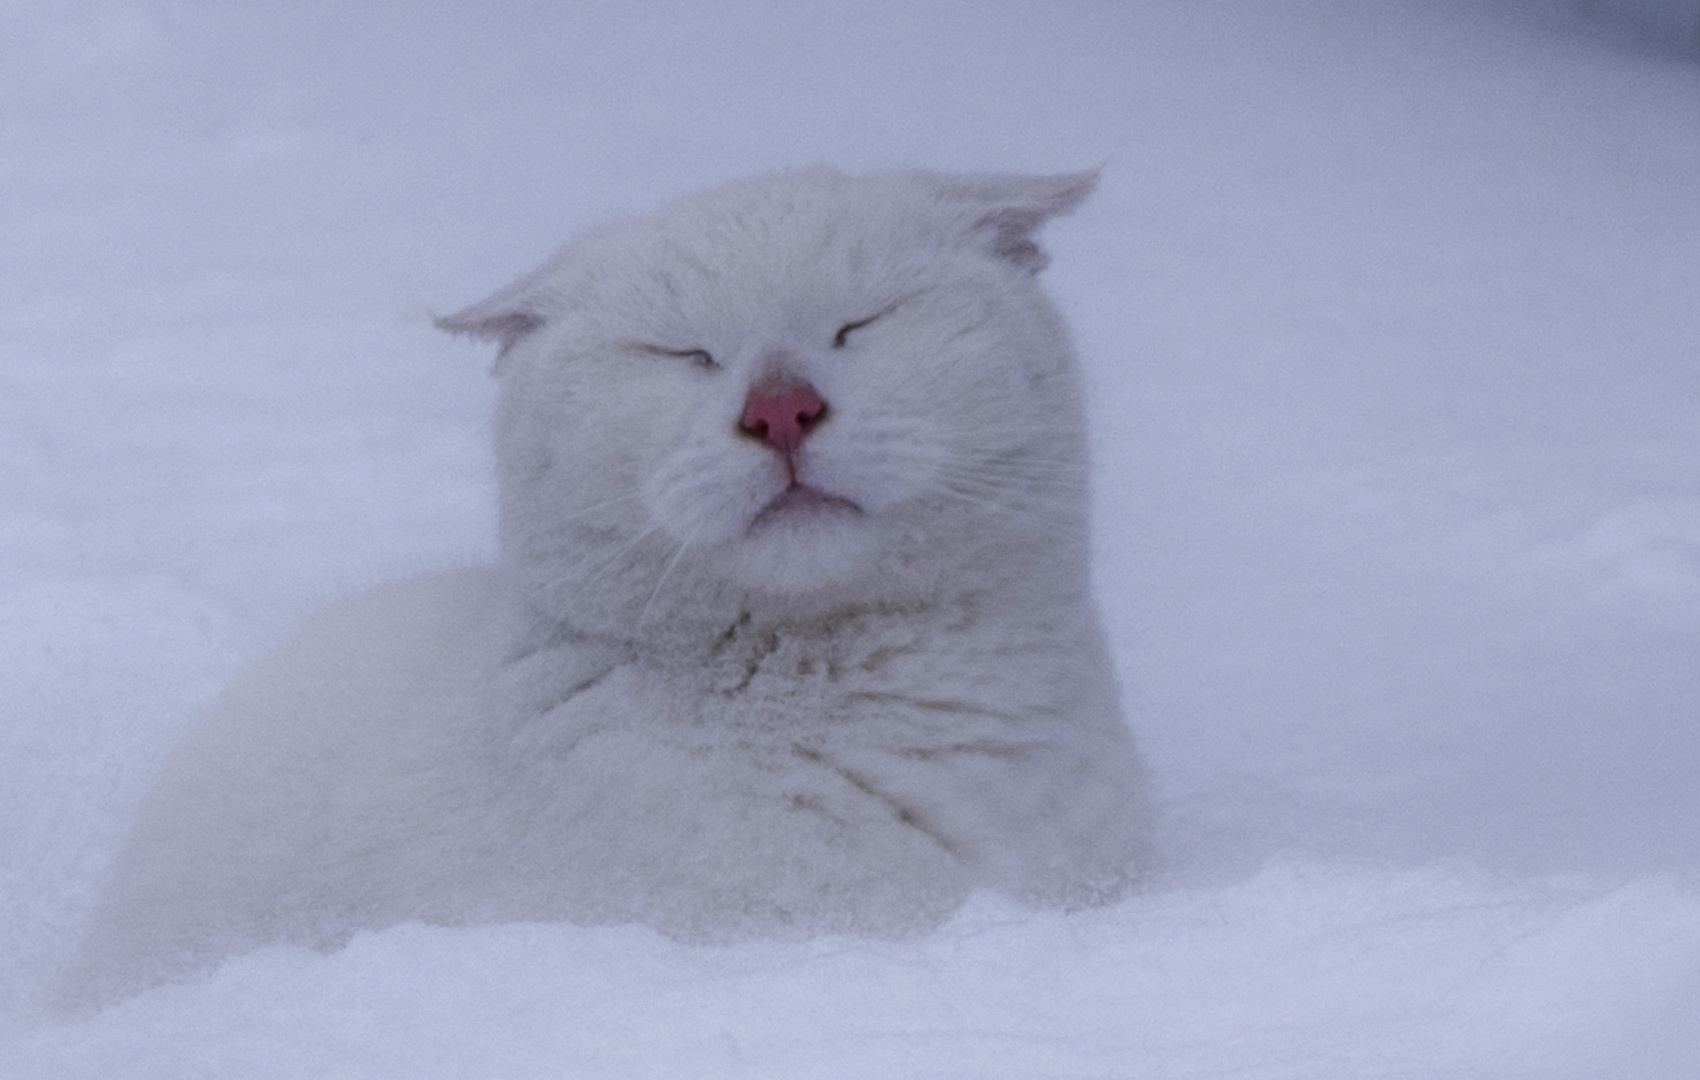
point(782, 414)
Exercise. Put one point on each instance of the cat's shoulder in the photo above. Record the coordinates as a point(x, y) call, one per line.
point(377, 658)
point(398, 622)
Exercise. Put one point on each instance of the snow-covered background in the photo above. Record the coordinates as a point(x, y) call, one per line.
point(1391, 316)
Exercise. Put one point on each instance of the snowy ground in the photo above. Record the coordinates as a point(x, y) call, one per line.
point(1389, 312)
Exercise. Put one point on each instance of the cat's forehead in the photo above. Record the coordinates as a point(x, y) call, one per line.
point(787, 251)
point(778, 247)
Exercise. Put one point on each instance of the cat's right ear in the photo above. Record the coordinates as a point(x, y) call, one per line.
point(1005, 211)
point(506, 318)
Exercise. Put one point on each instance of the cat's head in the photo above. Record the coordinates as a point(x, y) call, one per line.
point(796, 393)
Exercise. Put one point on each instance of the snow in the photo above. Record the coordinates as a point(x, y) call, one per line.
point(1388, 313)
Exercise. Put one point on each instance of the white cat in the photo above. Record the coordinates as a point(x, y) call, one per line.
point(791, 634)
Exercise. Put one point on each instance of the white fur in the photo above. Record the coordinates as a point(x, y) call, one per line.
point(660, 708)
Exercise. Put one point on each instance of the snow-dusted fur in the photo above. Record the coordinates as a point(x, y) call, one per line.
point(714, 686)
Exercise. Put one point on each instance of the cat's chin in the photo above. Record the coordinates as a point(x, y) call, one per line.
point(804, 541)
point(803, 507)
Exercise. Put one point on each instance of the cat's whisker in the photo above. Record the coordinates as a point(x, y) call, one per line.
point(1000, 502)
point(592, 564)
point(1073, 480)
point(1011, 498)
point(1024, 436)
point(1012, 474)
point(977, 450)
point(569, 529)
point(1014, 478)
point(597, 508)
point(684, 546)
point(1008, 434)
point(974, 500)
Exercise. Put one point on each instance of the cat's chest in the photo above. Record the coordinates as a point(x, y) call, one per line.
point(749, 668)
point(868, 750)
point(767, 687)
point(769, 693)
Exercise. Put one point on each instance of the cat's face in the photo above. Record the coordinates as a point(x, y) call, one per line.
point(805, 387)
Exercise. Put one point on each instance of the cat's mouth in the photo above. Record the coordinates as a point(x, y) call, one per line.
point(800, 502)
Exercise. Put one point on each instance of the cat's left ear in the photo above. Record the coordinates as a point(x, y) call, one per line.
point(506, 318)
point(1005, 211)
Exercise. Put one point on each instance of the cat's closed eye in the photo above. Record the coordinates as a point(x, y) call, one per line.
point(701, 357)
point(842, 338)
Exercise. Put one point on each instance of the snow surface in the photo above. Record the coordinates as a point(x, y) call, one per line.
point(1389, 314)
